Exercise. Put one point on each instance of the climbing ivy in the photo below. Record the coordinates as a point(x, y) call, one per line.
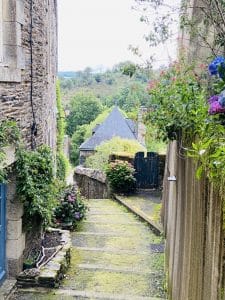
point(61, 160)
point(36, 184)
point(9, 134)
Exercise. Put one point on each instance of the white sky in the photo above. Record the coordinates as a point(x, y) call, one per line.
point(98, 32)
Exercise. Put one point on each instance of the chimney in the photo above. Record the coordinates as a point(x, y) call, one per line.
point(141, 128)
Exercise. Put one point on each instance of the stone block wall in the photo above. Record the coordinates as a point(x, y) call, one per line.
point(92, 183)
point(28, 67)
point(15, 91)
point(193, 219)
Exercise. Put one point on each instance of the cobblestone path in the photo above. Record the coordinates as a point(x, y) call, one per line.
point(112, 258)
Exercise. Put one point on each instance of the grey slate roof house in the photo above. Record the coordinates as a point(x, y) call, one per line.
point(114, 125)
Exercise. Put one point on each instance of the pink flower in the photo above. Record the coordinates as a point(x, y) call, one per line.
point(70, 199)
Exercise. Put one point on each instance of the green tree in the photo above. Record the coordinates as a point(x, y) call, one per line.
point(84, 108)
point(77, 139)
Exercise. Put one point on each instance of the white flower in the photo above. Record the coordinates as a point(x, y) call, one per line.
point(201, 152)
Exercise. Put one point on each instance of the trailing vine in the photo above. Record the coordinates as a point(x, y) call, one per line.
point(9, 134)
point(61, 160)
point(36, 184)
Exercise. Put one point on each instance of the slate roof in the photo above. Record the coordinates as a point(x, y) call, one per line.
point(114, 125)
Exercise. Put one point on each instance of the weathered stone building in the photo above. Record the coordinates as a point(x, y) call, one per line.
point(28, 65)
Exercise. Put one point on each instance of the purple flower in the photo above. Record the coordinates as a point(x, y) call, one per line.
point(213, 99)
point(216, 108)
point(77, 216)
point(221, 99)
point(70, 199)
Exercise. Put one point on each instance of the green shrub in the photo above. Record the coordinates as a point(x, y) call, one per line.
point(76, 141)
point(71, 207)
point(100, 159)
point(61, 123)
point(120, 175)
point(36, 186)
point(62, 166)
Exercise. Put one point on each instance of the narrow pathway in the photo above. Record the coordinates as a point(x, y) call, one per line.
point(112, 258)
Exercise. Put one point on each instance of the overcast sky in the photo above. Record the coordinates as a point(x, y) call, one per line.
point(99, 32)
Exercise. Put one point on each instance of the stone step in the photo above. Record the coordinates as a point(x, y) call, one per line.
point(105, 221)
point(111, 234)
point(68, 294)
point(137, 228)
point(106, 213)
point(114, 282)
point(118, 218)
point(133, 270)
point(116, 251)
point(138, 243)
point(119, 259)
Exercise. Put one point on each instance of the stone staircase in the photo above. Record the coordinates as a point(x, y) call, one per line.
point(111, 259)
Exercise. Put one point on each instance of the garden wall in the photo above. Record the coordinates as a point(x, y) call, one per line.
point(192, 217)
point(92, 183)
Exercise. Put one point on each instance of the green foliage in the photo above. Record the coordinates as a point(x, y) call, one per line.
point(84, 108)
point(178, 103)
point(36, 186)
point(120, 175)
point(61, 124)
point(100, 159)
point(9, 134)
point(62, 163)
point(132, 96)
point(209, 147)
point(62, 166)
point(70, 208)
point(153, 142)
point(77, 139)
point(128, 69)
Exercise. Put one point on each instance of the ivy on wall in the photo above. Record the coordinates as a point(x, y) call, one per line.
point(61, 160)
point(36, 185)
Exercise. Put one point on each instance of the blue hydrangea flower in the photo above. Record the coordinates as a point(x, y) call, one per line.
point(219, 61)
point(213, 69)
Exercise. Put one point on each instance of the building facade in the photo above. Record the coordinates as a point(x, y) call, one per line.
point(28, 66)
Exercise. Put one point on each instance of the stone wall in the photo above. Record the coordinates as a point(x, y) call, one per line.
point(15, 93)
point(28, 67)
point(92, 183)
point(192, 217)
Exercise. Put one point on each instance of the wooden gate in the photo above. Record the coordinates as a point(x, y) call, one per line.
point(2, 231)
point(147, 170)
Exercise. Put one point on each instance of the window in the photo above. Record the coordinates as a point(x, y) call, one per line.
point(11, 52)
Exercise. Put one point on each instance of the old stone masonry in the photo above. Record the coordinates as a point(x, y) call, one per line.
point(113, 257)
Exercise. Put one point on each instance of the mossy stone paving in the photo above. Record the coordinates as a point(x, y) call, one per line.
point(111, 259)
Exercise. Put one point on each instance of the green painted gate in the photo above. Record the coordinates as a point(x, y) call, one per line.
point(147, 170)
point(2, 231)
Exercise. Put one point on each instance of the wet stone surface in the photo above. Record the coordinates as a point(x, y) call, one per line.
point(114, 256)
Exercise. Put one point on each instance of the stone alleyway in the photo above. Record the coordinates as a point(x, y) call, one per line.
point(114, 256)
